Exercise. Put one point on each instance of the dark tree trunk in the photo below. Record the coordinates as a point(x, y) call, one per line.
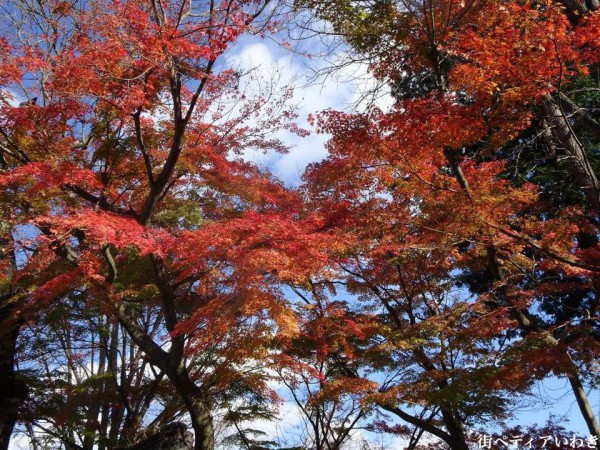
point(199, 409)
point(203, 425)
point(584, 405)
point(568, 143)
point(13, 391)
point(454, 425)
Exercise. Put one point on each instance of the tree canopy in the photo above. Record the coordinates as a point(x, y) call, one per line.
point(437, 264)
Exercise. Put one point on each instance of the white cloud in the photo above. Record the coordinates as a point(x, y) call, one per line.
point(19, 441)
point(339, 91)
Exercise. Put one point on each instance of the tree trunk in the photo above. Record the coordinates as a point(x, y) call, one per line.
point(584, 405)
point(118, 408)
point(13, 391)
point(199, 409)
point(455, 429)
point(571, 147)
point(203, 425)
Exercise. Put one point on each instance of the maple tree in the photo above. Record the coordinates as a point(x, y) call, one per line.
point(328, 330)
point(125, 192)
point(441, 240)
